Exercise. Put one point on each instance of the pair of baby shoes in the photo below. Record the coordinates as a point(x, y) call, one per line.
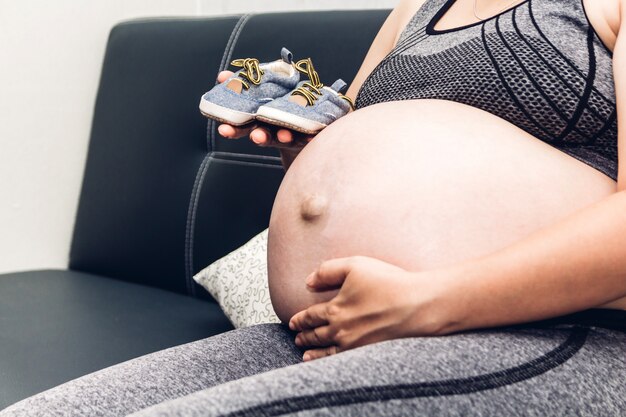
point(273, 93)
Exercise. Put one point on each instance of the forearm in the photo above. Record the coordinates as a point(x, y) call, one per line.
point(575, 264)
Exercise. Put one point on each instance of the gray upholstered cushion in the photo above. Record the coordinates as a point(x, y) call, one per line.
point(58, 325)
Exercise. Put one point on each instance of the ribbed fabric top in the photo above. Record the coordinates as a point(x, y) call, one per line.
point(539, 65)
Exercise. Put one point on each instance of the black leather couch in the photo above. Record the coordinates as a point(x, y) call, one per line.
point(163, 195)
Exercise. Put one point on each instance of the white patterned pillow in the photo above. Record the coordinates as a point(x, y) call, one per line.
point(238, 281)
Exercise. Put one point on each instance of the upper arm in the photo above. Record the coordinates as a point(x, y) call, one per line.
point(619, 75)
point(383, 43)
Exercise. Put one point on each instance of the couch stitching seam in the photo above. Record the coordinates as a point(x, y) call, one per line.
point(228, 52)
point(191, 220)
point(199, 180)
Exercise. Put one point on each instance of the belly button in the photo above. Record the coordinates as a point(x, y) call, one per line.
point(313, 206)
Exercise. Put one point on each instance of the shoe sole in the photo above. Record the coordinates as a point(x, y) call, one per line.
point(224, 114)
point(291, 121)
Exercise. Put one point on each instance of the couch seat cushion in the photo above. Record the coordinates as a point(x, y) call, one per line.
point(56, 325)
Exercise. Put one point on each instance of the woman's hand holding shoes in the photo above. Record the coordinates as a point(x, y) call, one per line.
point(264, 134)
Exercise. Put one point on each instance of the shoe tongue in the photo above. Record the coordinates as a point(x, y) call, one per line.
point(298, 99)
point(286, 55)
point(339, 85)
point(235, 84)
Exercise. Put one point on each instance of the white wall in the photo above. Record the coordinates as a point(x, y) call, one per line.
point(50, 58)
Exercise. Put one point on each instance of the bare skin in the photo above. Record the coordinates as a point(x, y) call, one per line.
point(468, 193)
point(417, 203)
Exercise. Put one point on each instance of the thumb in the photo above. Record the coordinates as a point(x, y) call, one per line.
point(330, 275)
point(223, 76)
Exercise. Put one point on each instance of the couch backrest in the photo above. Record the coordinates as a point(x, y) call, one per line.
point(163, 194)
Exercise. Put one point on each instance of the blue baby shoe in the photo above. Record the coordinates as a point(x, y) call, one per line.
point(236, 100)
point(310, 107)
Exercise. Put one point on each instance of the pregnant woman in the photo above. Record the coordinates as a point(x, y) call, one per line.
point(462, 235)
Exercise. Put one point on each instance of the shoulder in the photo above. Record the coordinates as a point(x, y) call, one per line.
point(410, 5)
point(404, 11)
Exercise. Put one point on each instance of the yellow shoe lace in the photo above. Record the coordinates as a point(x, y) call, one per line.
point(252, 71)
point(348, 99)
point(311, 90)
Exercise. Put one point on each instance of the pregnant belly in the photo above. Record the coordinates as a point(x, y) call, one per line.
point(419, 184)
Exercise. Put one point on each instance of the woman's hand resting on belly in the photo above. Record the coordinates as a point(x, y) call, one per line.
point(376, 301)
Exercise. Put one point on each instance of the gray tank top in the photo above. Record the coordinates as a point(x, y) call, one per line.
point(539, 65)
